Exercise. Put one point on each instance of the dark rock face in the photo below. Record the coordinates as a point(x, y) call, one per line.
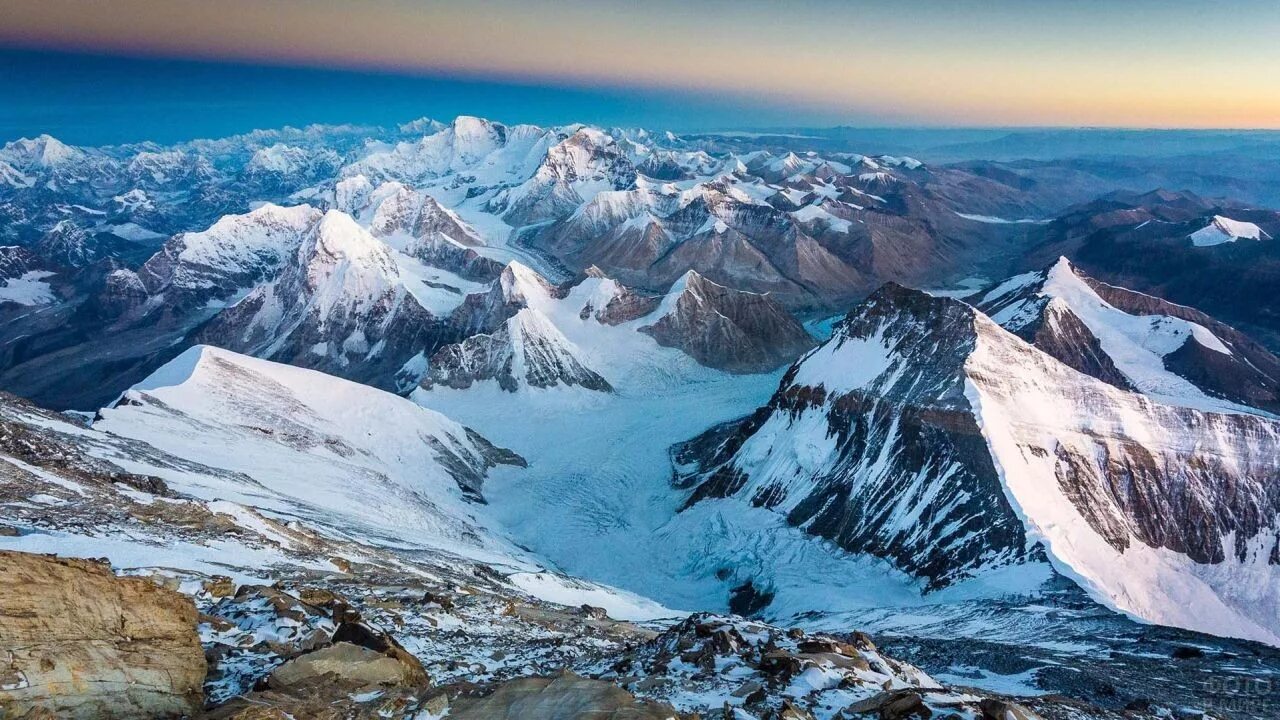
point(730, 330)
point(905, 444)
point(463, 261)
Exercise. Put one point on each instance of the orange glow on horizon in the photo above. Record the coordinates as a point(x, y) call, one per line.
point(943, 75)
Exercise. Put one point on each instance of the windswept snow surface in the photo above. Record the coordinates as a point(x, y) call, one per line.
point(297, 442)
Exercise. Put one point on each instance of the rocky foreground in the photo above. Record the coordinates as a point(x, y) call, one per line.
point(80, 642)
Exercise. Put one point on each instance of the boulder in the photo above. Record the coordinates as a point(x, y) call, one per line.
point(563, 697)
point(349, 664)
point(995, 709)
point(79, 642)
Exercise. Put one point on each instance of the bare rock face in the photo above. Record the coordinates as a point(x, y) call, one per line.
point(82, 643)
point(728, 329)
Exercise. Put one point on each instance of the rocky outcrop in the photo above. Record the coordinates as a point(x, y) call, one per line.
point(526, 351)
point(727, 329)
point(350, 664)
point(83, 643)
point(562, 697)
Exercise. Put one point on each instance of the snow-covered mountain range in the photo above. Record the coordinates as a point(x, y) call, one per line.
point(667, 374)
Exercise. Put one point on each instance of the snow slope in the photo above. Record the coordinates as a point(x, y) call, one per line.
point(1223, 230)
point(301, 443)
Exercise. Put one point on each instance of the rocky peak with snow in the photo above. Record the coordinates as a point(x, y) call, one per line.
point(342, 306)
point(1222, 229)
point(68, 245)
point(168, 169)
point(43, 152)
point(727, 329)
point(233, 254)
point(1136, 342)
point(526, 351)
point(925, 434)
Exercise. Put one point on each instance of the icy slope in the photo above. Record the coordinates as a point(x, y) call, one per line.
point(302, 443)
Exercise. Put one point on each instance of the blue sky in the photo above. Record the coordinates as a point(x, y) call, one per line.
point(97, 99)
point(225, 66)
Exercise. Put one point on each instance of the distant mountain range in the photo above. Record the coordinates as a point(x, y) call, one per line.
point(715, 372)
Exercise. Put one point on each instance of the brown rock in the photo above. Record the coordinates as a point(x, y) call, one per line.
point(79, 642)
point(563, 697)
point(993, 709)
point(788, 711)
point(891, 705)
point(348, 664)
point(905, 705)
point(220, 586)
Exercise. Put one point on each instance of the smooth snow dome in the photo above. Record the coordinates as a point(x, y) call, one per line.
point(1224, 230)
point(300, 443)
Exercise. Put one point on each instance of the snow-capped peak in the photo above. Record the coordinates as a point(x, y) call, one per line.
point(521, 284)
point(41, 152)
point(1144, 346)
point(1223, 229)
